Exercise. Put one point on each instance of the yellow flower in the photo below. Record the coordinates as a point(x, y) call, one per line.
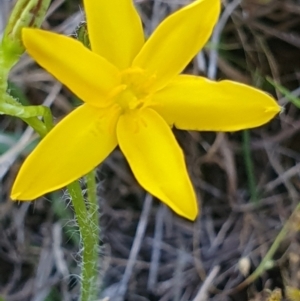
point(133, 95)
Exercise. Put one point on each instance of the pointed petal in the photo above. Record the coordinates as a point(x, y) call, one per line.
point(157, 160)
point(177, 40)
point(73, 148)
point(87, 74)
point(115, 30)
point(196, 103)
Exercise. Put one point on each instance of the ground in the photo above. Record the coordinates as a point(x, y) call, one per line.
point(173, 259)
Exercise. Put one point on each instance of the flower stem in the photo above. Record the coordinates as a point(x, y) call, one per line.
point(87, 219)
point(95, 232)
point(10, 106)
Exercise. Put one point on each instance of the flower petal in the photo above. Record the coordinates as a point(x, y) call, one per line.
point(115, 30)
point(157, 160)
point(196, 103)
point(177, 40)
point(87, 74)
point(74, 147)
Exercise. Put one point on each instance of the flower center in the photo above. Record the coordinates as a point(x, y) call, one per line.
point(134, 91)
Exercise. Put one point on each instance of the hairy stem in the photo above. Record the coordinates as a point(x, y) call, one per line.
point(87, 219)
point(93, 216)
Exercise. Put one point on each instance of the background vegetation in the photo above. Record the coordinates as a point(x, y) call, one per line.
point(247, 182)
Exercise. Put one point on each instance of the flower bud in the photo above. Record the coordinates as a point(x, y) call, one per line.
point(26, 13)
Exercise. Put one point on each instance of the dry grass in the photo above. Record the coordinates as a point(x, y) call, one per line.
point(172, 259)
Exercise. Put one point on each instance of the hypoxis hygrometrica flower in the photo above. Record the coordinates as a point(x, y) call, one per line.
point(133, 94)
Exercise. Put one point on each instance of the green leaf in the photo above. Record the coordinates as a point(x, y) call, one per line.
point(288, 95)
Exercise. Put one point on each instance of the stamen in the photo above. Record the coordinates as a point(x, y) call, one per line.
point(133, 93)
